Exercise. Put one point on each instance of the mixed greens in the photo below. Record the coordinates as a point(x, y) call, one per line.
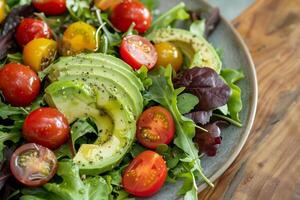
point(103, 97)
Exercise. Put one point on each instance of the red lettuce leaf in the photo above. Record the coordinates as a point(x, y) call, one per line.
point(200, 117)
point(207, 85)
point(208, 142)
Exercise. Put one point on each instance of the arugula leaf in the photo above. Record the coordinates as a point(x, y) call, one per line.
point(80, 11)
point(176, 13)
point(186, 102)
point(142, 74)
point(16, 57)
point(235, 104)
point(162, 92)
point(198, 28)
point(72, 187)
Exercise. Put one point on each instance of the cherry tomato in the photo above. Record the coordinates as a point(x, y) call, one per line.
point(79, 37)
point(168, 54)
point(145, 175)
point(19, 84)
point(155, 126)
point(30, 29)
point(39, 53)
point(33, 165)
point(128, 12)
point(106, 4)
point(47, 127)
point(50, 7)
point(2, 10)
point(138, 51)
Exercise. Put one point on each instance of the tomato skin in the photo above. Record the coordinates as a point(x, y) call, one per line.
point(106, 4)
point(78, 37)
point(155, 126)
point(168, 54)
point(47, 127)
point(50, 7)
point(39, 53)
point(128, 12)
point(145, 175)
point(31, 160)
point(138, 51)
point(19, 84)
point(30, 29)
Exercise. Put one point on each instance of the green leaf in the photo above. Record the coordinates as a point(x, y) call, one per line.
point(162, 92)
point(176, 13)
point(72, 187)
point(17, 57)
point(235, 103)
point(4, 137)
point(151, 4)
point(63, 151)
point(136, 150)
point(80, 128)
point(198, 28)
point(142, 74)
point(186, 102)
point(80, 11)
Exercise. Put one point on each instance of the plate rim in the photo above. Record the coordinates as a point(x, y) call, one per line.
point(253, 105)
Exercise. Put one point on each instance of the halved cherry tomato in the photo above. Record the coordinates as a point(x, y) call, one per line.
point(168, 54)
point(33, 165)
point(39, 53)
point(138, 51)
point(145, 175)
point(2, 10)
point(154, 127)
point(47, 127)
point(128, 12)
point(19, 84)
point(106, 4)
point(30, 29)
point(50, 7)
point(78, 37)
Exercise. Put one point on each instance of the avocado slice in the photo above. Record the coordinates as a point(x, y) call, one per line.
point(199, 52)
point(104, 68)
point(107, 92)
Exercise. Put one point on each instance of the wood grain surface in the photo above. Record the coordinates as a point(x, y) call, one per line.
point(268, 167)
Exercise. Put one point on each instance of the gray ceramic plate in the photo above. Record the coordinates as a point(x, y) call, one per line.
point(236, 55)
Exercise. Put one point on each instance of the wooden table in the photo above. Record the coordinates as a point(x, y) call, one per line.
point(268, 167)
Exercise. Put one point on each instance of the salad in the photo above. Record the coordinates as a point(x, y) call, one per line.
point(109, 99)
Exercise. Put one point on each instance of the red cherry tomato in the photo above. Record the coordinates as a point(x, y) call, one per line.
point(138, 51)
point(47, 127)
point(19, 84)
point(128, 12)
point(33, 165)
point(145, 175)
point(155, 126)
point(30, 29)
point(50, 7)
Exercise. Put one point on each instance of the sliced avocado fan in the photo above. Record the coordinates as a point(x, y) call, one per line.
point(198, 51)
point(106, 90)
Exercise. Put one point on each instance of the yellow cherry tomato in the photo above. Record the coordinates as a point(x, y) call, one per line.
point(39, 53)
point(2, 10)
point(106, 4)
point(168, 54)
point(78, 37)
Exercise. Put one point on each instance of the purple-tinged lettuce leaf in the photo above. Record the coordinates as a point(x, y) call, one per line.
point(200, 117)
point(207, 85)
point(208, 142)
point(9, 26)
